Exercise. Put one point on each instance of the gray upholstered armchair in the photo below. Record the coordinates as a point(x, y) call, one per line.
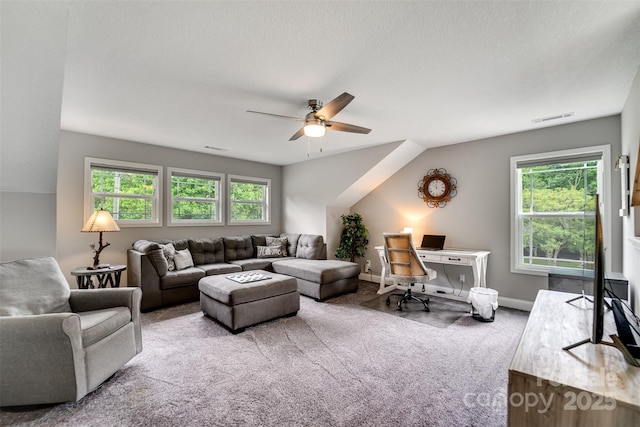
point(58, 344)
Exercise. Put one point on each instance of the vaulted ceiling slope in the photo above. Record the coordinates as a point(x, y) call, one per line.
point(183, 74)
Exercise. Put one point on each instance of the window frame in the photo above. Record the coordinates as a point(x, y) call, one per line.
point(156, 199)
point(266, 202)
point(220, 199)
point(604, 190)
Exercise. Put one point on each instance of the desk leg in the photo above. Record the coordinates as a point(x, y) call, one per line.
point(479, 267)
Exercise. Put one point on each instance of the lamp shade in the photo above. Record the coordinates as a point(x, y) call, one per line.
point(101, 220)
point(314, 128)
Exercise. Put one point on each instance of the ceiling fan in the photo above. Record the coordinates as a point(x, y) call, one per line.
point(318, 120)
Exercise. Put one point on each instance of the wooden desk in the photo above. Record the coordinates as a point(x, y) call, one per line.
point(591, 385)
point(106, 276)
point(477, 260)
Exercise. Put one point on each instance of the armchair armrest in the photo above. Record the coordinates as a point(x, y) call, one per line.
point(41, 359)
point(97, 299)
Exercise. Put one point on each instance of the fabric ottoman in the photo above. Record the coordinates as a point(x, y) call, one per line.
point(238, 305)
point(320, 279)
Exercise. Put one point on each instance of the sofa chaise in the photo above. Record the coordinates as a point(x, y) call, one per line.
point(166, 279)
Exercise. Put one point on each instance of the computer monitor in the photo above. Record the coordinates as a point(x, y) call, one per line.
point(432, 242)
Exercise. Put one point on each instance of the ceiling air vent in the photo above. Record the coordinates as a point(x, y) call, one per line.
point(546, 119)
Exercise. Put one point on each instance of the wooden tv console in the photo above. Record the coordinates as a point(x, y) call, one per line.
point(590, 385)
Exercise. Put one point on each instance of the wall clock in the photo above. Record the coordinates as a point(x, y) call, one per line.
point(437, 188)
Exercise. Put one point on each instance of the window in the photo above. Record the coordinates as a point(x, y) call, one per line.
point(553, 208)
point(248, 200)
point(130, 191)
point(196, 197)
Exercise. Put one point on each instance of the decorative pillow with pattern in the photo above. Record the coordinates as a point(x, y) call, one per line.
point(169, 251)
point(278, 241)
point(269, 251)
point(183, 259)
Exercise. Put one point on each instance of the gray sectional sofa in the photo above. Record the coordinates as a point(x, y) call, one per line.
point(304, 257)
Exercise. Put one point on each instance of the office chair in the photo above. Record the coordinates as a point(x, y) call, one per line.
point(405, 268)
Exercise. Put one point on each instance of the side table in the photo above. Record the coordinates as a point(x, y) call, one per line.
point(106, 276)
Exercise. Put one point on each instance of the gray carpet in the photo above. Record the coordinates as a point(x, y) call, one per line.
point(442, 311)
point(334, 364)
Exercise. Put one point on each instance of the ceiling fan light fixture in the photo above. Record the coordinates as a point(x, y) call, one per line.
point(314, 128)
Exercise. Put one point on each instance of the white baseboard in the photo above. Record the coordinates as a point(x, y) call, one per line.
point(446, 292)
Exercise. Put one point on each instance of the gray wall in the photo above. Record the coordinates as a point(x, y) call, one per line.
point(478, 217)
point(32, 76)
point(73, 246)
point(630, 121)
point(311, 188)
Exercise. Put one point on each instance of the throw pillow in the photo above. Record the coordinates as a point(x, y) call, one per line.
point(169, 251)
point(269, 251)
point(278, 241)
point(183, 259)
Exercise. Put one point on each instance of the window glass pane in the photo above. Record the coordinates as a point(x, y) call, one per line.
point(568, 187)
point(123, 208)
point(559, 241)
point(247, 211)
point(188, 209)
point(110, 181)
point(247, 191)
point(194, 187)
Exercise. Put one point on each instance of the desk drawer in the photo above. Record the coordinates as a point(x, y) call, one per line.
point(446, 259)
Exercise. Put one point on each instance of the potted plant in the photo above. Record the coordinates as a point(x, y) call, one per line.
point(353, 240)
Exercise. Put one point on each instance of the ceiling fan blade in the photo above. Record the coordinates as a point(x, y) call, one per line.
point(335, 106)
point(297, 135)
point(344, 127)
point(277, 115)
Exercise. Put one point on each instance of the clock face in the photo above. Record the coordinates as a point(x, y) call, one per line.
point(436, 188)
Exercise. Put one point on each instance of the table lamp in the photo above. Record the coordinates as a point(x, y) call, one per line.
point(101, 221)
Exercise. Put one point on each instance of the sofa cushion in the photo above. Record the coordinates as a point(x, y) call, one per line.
point(207, 251)
point(219, 268)
point(292, 243)
point(155, 254)
point(33, 286)
point(169, 252)
point(254, 263)
point(98, 324)
point(269, 251)
point(259, 240)
point(183, 259)
point(237, 247)
point(278, 241)
point(176, 279)
point(317, 271)
point(310, 246)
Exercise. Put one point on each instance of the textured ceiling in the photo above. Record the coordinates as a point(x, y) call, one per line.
point(182, 74)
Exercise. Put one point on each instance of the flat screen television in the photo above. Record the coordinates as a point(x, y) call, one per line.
point(598, 284)
point(627, 324)
point(598, 280)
